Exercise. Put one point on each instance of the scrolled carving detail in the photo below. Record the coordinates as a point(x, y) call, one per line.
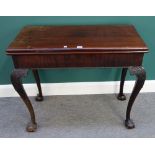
point(140, 73)
point(16, 79)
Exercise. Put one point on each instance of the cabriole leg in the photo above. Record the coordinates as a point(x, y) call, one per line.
point(140, 74)
point(16, 79)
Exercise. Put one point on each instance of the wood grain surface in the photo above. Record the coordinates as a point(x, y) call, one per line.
point(55, 39)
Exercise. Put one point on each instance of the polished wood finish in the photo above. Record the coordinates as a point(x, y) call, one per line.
point(104, 38)
point(16, 79)
point(78, 60)
point(39, 47)
point(102, 46)
point(140, 74)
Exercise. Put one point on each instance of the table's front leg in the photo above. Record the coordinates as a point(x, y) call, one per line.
point(16, 79)
point(37, 79)
point(140, 74)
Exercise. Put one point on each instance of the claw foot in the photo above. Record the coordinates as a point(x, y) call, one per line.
point(39, 98)
point(31, 127)
point(121, 97)
point(129, 124)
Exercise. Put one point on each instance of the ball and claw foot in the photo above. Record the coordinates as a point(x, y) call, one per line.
point(39, 98)
point(129, 124)
point(121, 97)
point(31, 127)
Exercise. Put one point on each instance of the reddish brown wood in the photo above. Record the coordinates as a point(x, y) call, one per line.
point(16, 79)
point(140, 74)
point(108, 38)
point(102, 46)
point(77, 60)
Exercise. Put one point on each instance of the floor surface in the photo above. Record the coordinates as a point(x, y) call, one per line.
point(80, 116)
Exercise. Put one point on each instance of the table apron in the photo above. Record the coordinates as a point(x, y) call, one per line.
point(77, 60)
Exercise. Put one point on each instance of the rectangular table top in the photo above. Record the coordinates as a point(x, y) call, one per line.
point(56, 39)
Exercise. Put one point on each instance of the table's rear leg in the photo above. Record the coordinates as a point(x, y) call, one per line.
point(16, 79)
point(39, 96)
point(121, 95)
point(140, 74)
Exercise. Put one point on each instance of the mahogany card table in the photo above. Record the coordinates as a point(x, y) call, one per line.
point(43, 47)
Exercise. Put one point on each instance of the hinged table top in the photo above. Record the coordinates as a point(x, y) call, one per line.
point(102, 38)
